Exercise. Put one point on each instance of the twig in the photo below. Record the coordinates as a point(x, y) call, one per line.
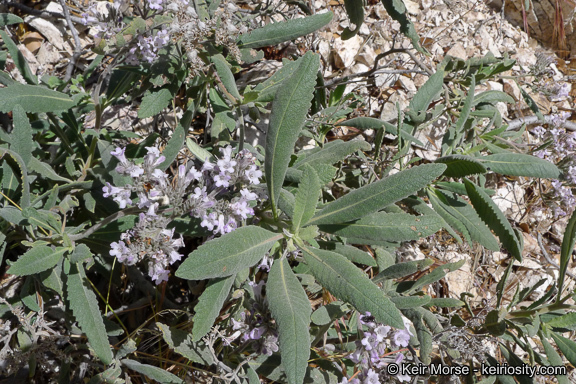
point(549, 259)
point(77, 43)
point(517, 123)
point(46, 14)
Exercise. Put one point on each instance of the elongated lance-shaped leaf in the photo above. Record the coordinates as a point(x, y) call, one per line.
point(209, 305)
point(289, 110)
point(386, 226)
point(157, 374)
point(345, 281)
point(461, 165)
point(454, 134)
point(228, 254)
point(353, 254)
point(227, 78)
point(554, 359)
point(37, 259)
point(494, 218)
point(86, 311)
point(154, 102)
point(331, 153)
point(567, 346)
point(566, 251)
point(435, 275)
point(25, 200)
point(518, 164)
point(374, 197)
point(280, 32)
point(355, 11)
point(173, 147)
point(18, 59)
point(33, 99)
point(306, 198)
point(267, 89)
point(21, 137)
point(459, 214)
point(425, 95)
point(399, 270)
point(397, 10)
point(291, 309)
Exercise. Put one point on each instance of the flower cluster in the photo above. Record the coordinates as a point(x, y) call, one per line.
point(105, 18)
point(562, 149)
point(370, 351)
point(147, 47)
point(255, 325)
point(217, 194)
point(223, 27)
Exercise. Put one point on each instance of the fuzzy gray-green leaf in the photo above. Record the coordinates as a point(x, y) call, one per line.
point(461, 165)
point(33, 99)
point(154, 102)
point(461, 215)
point(331, 153)
point(518, 164)
point(86, 311)
point(229, 254)
point(345, 281)
point(289, 110)
point(226, 77)
point(157, 374)
point(386, 226)
point(280, 32)
point(209, 305)
point(374, 197)
point(494, 218)
point(36, 260)
point(306, 198)
point(21, 137)
point(173, 147)
point(291, 309)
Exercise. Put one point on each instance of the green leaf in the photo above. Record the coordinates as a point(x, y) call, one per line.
point(355, 11)
point(567, 346)
point(445, 302)
point(19, 60)
point(209, 305)
point(33, 99)
point(38, 259)
point(495, 219)
point(425, 95)
point(348, 283)
point(45, 170)
point(405, 302)
point(152, 372)
point(555, 359)
point(21, 137)
point(86, 311)
point(386, 226)
point(267, 89)
point(517, 164)
point(531, 103)
point(291, 309)
point(567, 321)
point(80, 254)
point(332, 152)
point(454, 135)
point(306, 198)
point(460, 165)
point(173, 147)
point(327, 313)
point(397, 10)
point(9, 19)
point(289, 110)
point(566, 251)
point(12, 215)
point(199, 152)
point(462, 216)
point(279, 32)
point(154, 102)
point(492, 97)
point(353, 254)
point(400, 270)
point(25, 200)
point(228, 254)
point(227, 78)
point(435, 275)
point(181, 342)
point(374, 197)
